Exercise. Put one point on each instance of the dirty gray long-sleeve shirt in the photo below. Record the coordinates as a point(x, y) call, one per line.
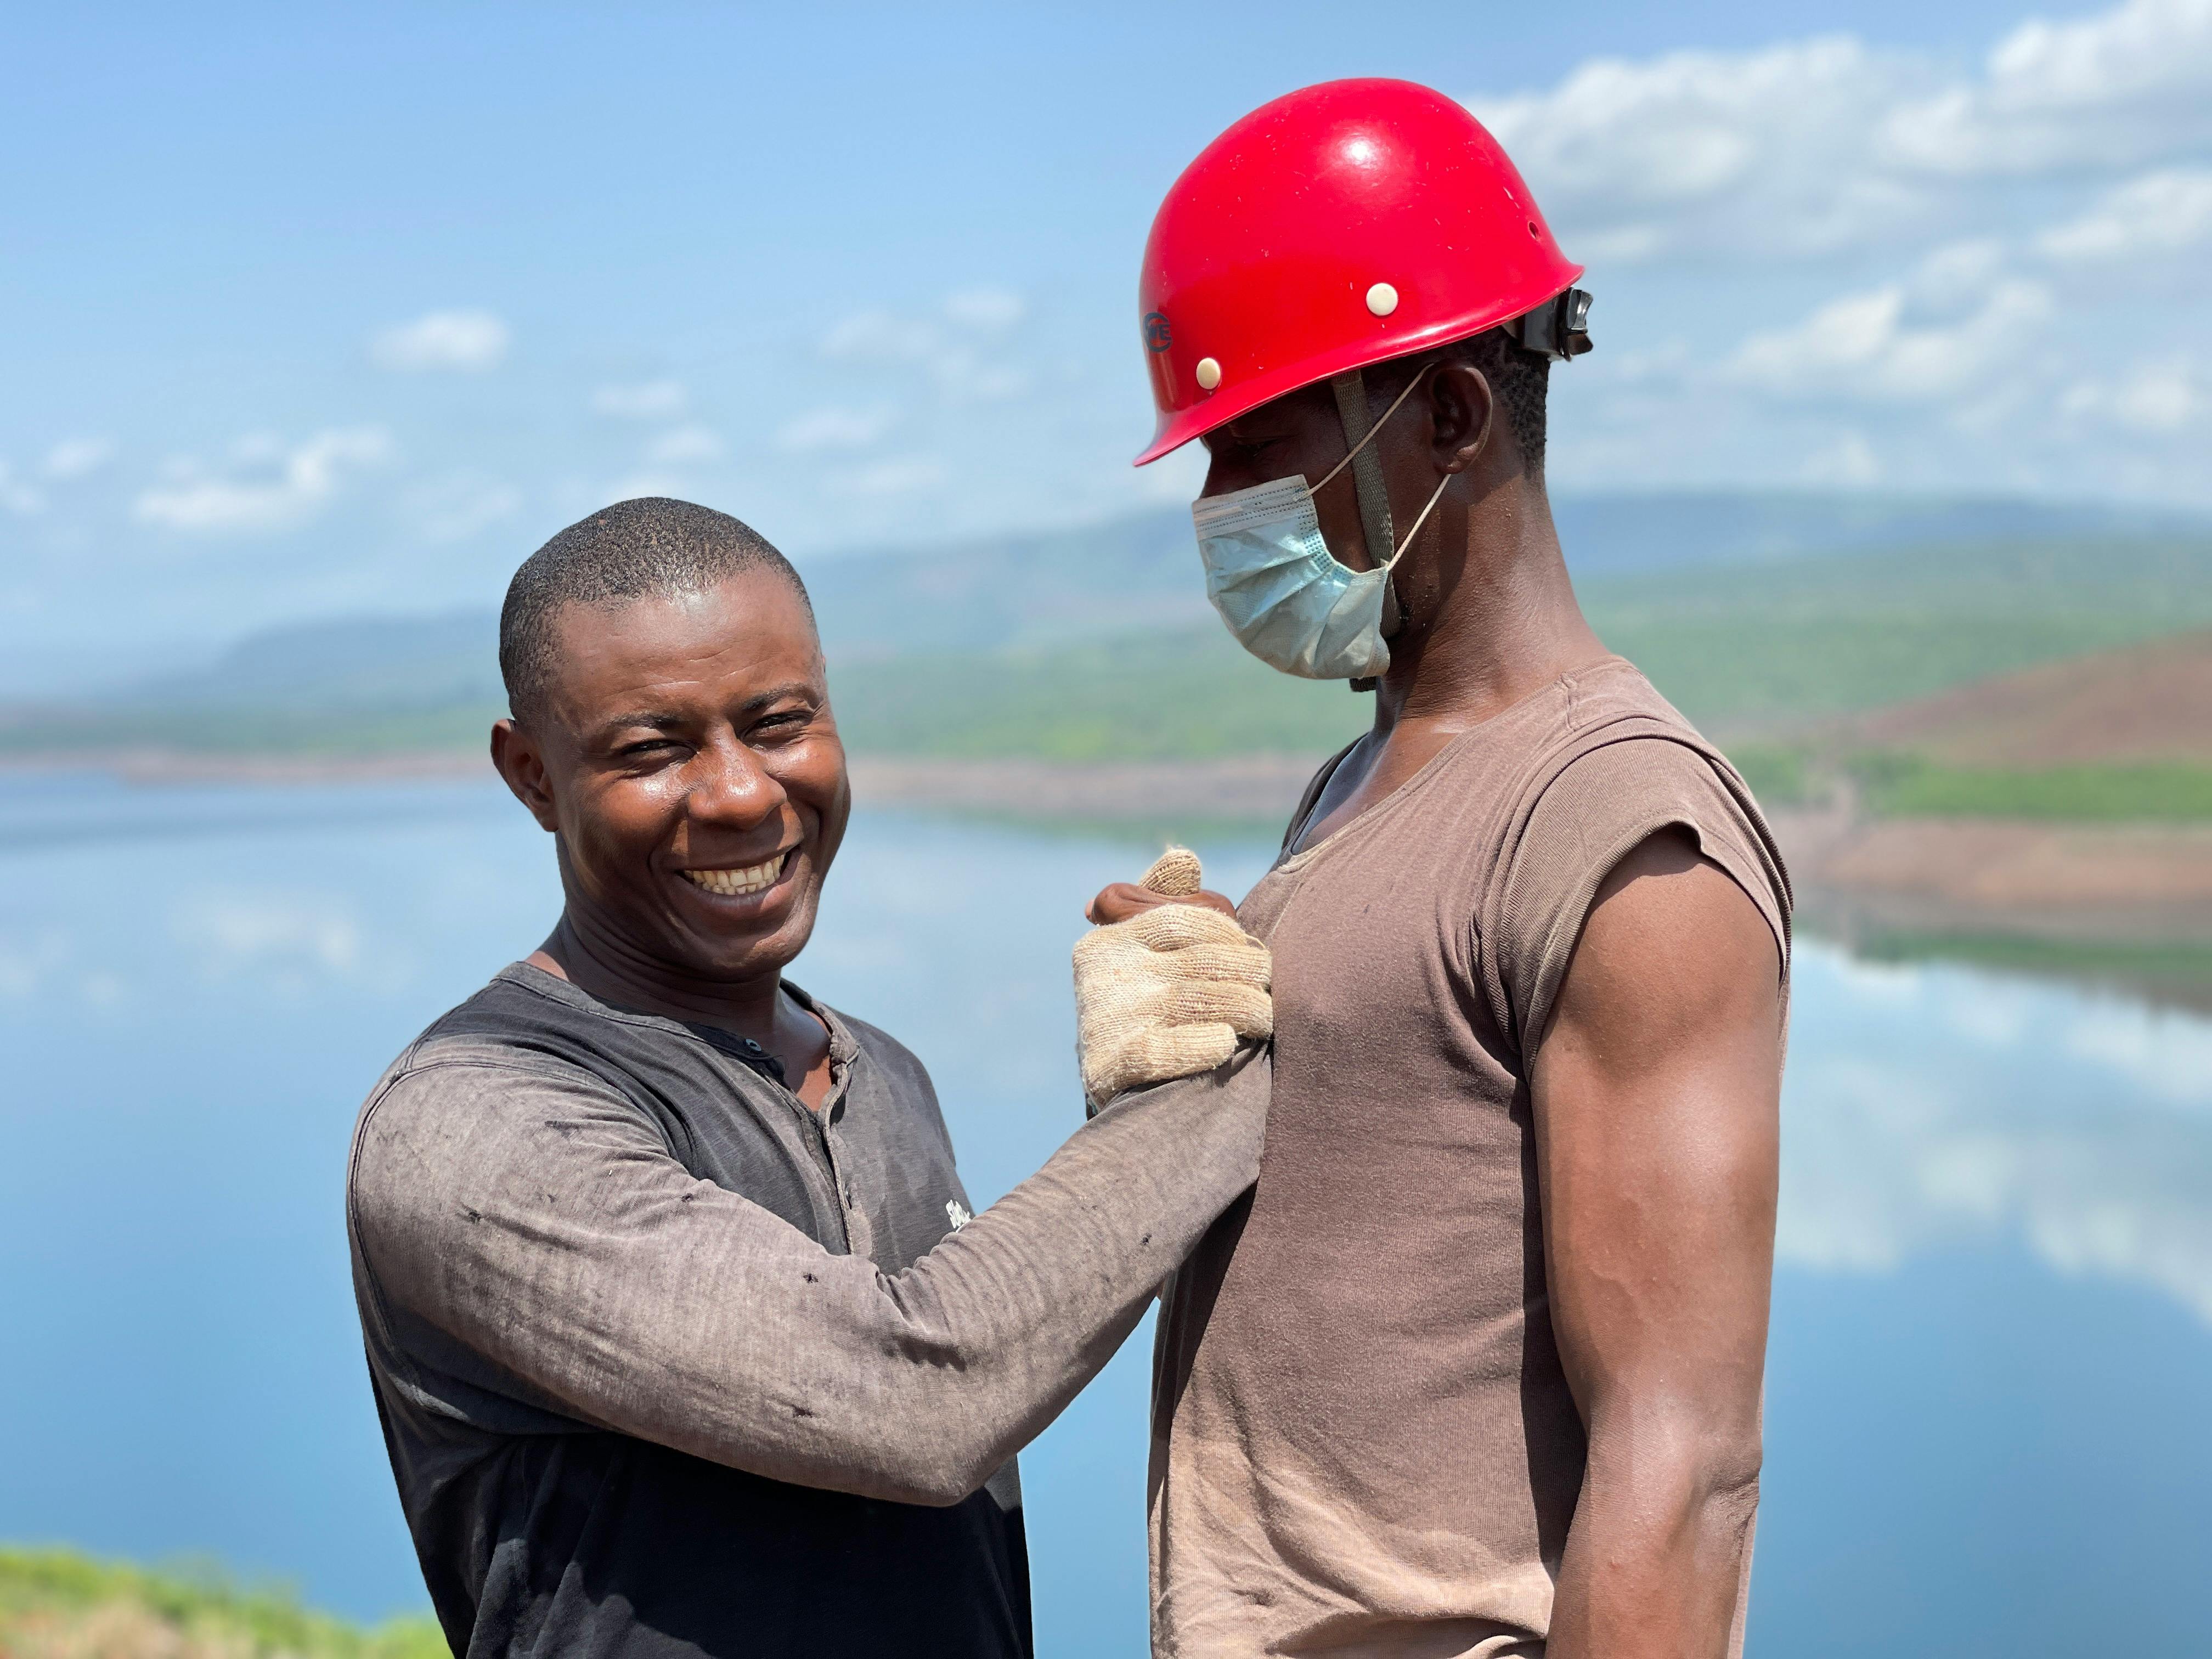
point(668, 1363)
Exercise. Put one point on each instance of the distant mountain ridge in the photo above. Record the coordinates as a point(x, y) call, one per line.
point(1133, 576)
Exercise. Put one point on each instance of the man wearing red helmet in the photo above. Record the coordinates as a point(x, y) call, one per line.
point(1476, 1367)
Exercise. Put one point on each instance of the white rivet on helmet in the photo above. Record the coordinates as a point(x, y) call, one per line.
point(1381, 299)
point(1209, 373)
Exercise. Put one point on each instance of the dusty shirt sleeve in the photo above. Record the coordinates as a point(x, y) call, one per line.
point(1588, 817)
point(531, 1218)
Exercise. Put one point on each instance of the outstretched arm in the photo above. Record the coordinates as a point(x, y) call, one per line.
point(1656, 1098)
point(538, 1222)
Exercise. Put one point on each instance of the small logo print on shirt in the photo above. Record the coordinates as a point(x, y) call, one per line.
point(956, 1213)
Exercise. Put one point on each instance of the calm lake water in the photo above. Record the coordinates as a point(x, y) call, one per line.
point(1987, 1424)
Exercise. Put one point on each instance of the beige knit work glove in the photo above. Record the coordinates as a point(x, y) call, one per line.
point(1167, 993)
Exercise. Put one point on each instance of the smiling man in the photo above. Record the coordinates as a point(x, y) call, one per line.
point(682, 1335)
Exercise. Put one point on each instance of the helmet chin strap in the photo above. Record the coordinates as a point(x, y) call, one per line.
point(1352, 408)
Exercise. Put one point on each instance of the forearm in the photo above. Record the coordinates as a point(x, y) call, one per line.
point(595, 1270)
point(1005, 1322)
point(1656, 1560)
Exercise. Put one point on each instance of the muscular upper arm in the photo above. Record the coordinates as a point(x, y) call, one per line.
point(1656, 1093)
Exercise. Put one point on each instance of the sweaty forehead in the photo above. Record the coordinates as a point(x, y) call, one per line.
point(748, 633)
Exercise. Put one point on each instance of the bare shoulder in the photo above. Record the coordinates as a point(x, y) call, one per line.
point(1673, 944)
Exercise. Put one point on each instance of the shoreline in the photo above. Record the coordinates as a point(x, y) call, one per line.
point(2052, 884)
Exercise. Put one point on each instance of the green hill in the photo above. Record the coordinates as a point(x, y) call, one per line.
point(1742, 650)
point(58, 1604)
point(1754, 652)
point(1777, 645)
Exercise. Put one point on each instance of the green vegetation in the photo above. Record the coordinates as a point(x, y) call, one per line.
point(1762, 672)
point(1774, 644)
point(1185, 695)
point(1909, 786)
point(1778, 775)
point(1742, 650)
point(57, 1604)
point(1756, 653)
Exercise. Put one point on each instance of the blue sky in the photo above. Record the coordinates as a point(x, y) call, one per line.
point(310, 310)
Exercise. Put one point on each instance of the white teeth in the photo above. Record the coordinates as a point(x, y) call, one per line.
point(734, 883)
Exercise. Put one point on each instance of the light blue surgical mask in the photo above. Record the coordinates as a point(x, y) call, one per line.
point(1284, 594)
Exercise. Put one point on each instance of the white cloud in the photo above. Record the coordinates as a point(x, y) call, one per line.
point(1870, 345)
point(26, 965)
point(52, 964)
point(2157, 398)
point(2167, 1054)
point(17, 497)
point(281, 487)
point(2101, 1170)
point(77, 458)
point(468, 340)
point(2159, 213)
point(992, 310)
point(963, 359)
point(1702, 153)
point(643, 400)
point(879, 335)
point(833, 429)
point(1818, 145)
point(898, 477)
point(1984, 219)
point(684, 445)
point(455, 508)
point(1849, 461)
point(280, 937)
point(2124, 86)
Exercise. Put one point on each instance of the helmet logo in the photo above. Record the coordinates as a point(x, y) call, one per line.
point(1159, 337)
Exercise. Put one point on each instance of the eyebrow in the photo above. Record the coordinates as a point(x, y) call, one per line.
point(651, 721)
point(660, 719)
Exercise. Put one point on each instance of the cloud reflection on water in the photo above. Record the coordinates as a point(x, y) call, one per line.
point(1928, 1106)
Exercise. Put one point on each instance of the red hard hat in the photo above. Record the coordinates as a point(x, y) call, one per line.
point(1334, 228)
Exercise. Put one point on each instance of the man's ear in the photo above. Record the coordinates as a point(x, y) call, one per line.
point(1463, 410)
point(515, 752)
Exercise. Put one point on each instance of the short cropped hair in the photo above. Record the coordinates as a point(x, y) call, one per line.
point(1519, 378)
point(646, 548)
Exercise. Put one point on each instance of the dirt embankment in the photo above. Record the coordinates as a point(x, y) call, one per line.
point(1988, 877)
point(2056, 881)
point(1256, 790)
point(2137, 883)
point(1980, 876)
point(2143, 703)
point(1921, 875)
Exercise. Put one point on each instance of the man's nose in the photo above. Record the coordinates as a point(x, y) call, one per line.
point(731, 788)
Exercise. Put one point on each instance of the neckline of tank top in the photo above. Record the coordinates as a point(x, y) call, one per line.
point(1291, 861)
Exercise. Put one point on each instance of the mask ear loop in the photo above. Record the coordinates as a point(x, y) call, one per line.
point(1352, 411)
point(1348, 388)
point(1399, 552)
point(1371, 431)
point(1419, 522)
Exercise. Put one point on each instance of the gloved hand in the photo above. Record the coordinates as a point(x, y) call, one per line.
point(1169, 992)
